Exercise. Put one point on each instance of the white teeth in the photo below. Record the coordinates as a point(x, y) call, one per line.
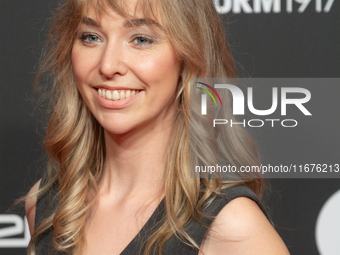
point(121, 95)
point(115, 95)
point(108, 95)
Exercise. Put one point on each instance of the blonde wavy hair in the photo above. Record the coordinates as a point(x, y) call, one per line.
point(74, 139)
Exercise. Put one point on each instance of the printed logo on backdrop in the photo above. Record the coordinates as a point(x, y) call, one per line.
point(15, 234)
point(238, 105)
point(327, 228)
point(272, 6)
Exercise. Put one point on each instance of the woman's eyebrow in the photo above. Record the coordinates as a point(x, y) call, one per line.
point(142, 22)
point(90, 22)
point(128, 23)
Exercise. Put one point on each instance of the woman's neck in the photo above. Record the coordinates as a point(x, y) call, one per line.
point(135, 162)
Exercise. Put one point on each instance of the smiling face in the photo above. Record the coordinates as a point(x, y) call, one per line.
point(126, 71)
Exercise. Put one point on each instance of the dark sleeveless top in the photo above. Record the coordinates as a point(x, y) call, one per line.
point(49, 201)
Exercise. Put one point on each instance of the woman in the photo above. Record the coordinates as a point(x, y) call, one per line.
point(118, 138)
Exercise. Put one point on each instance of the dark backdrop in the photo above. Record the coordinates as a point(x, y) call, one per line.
point(272, 43)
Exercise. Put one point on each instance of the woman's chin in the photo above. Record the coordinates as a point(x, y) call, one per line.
point(118, 130)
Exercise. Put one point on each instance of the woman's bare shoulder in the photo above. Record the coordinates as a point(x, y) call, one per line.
point(242, 228)
point(30, 206)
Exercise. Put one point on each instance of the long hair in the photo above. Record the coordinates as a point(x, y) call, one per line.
point(74, 139)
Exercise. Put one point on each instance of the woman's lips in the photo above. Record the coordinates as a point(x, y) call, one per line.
point(116, 99)
point(116, 94)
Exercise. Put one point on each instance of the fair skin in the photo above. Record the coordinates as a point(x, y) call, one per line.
point(111, 54)
point(241, 228)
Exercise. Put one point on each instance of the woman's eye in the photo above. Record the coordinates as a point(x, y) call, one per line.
point(89, 38)
point(143, 41)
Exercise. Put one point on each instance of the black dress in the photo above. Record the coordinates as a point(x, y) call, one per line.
point(48, 202)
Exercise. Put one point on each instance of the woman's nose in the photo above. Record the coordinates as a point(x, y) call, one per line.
point(112, 62)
